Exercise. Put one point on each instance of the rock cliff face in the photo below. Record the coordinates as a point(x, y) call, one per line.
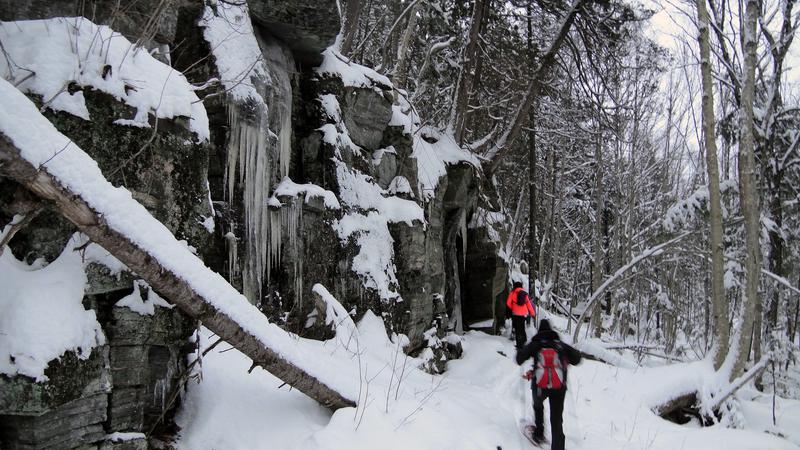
point(316, 171)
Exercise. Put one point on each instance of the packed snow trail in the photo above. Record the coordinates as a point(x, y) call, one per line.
point(476, 404)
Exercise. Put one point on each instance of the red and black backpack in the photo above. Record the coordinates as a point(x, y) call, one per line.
point(550, 368)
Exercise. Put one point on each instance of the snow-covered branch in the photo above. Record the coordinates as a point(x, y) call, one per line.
point(648, 253)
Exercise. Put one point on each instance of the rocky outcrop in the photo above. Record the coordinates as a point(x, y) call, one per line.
point(147, 356)
point(366, 114)
point(313, 127)
point(433, 260)
point(308, 27)
point(126, 384)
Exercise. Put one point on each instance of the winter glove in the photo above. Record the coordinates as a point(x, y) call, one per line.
point(508, 312)
point(528, 375)
point(528, 320)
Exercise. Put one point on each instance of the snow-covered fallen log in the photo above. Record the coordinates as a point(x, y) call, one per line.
point(705, 402)
point(594, 350)
point(37, 156)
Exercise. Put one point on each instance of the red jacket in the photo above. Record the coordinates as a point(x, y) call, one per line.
point(520, 310)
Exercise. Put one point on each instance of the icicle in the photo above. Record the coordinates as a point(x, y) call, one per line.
point(285, 139)
point(258, 151)
point(158, 389)
point(275, 241)
point(247, 148)
point(281, 66)
point(298, 258)
point(233, 255)
point(292, 220)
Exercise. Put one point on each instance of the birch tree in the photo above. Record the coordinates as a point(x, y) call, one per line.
point(749, 336)
point(718, 301)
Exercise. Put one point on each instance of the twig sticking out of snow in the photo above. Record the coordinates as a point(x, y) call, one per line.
point(18, 222)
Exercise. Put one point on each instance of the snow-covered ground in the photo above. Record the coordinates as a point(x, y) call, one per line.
point(476, 404)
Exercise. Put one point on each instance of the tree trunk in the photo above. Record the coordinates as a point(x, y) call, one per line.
point(401, 69)
point(791, 323)
point(463, 90)
point(773, 167)
point(546, 230)
point(555, 238)
point(597, 242)
point(351, 16)
point(167, 283)
point(748, 194)
point(719, 307)
point(533, 216)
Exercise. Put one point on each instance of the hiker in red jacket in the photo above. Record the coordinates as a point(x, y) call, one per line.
point(519, 303)
point(551, 357)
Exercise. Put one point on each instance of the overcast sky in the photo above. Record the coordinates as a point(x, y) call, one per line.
point(669, 25)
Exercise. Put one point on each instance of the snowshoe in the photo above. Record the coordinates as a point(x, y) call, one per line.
point(528, 430)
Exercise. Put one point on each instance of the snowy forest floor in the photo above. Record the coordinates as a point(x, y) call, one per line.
point(476, 404)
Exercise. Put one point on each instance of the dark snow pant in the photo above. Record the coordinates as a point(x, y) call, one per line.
point(518, 323)
point(556, 397)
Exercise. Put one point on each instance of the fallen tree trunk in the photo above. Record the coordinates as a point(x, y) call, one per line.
point(165, 281)
point(677, 409)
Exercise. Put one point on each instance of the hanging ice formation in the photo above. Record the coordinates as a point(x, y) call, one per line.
point(290, 218)
point(456, 320)
point(285, 138)
point(257, 152)
point(233, 255)
point(281, 64)
point(248, 149)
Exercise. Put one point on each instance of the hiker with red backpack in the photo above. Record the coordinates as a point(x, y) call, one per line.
point(519, 304)
point(551, 357)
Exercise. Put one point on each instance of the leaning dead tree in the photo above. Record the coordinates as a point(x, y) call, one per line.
point(75, 208)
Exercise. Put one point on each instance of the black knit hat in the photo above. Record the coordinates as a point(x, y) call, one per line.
point(517, 284)
point(544, 325)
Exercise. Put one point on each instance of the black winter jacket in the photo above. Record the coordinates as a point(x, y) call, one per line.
point(544, 339)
